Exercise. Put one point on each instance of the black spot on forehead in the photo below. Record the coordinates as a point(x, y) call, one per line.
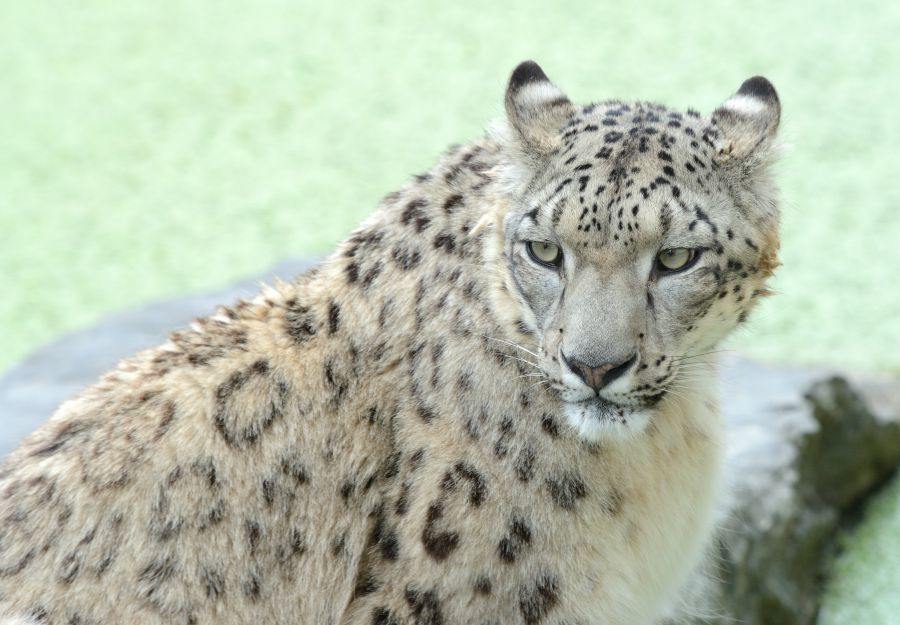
point(617, 158)
point(634, 128)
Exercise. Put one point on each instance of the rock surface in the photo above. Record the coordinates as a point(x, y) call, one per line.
point(804, 449)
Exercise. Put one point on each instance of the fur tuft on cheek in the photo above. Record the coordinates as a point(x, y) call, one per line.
point(769, 260)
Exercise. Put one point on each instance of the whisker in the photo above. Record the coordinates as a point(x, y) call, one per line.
point(538, 384)
point(527, 362)
point(511, 344)
point(689, 356)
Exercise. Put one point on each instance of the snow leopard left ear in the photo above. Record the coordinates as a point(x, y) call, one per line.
point(536, 109)
point(745, 125)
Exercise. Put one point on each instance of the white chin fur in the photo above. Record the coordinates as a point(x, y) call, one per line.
point(595, 422)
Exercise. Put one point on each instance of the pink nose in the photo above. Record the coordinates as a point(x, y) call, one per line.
point(600, 375)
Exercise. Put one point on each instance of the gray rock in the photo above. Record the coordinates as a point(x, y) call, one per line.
point(804, 448)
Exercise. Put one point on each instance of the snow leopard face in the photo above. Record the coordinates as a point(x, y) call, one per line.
point(639, 238)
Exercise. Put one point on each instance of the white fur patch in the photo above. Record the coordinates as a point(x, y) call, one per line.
point(17, 620)
point(745, 105)
point(537, 93)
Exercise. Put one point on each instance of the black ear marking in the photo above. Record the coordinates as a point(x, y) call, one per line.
point(526, 72)
point(758, 87)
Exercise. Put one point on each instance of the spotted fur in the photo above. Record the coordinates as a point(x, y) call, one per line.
point(396, 438)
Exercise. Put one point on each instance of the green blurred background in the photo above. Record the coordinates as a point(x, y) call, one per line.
point(149, 149)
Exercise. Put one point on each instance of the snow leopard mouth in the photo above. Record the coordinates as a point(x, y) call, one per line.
point(597, 418)
point(603, 409)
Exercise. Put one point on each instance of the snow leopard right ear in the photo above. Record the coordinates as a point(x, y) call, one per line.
point(746, 123)
point(536, 110)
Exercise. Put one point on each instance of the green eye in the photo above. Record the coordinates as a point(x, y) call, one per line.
point(675, 258)
point(544, 253)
